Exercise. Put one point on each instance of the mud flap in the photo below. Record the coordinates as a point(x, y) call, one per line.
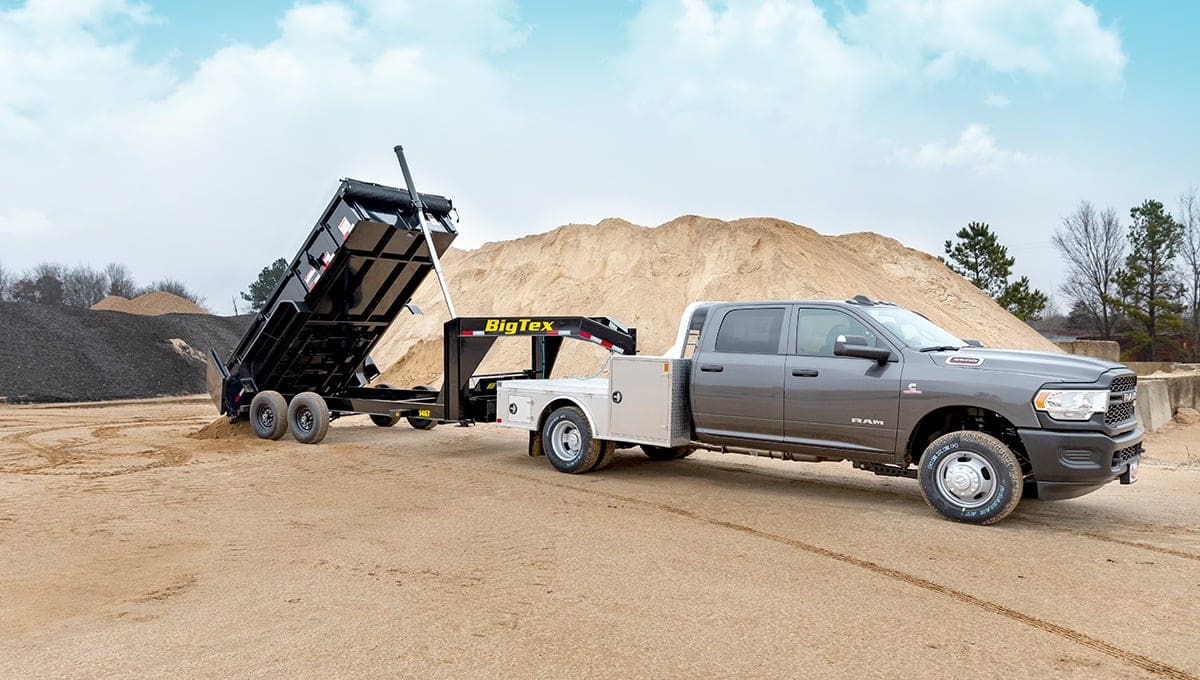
point(535, 444)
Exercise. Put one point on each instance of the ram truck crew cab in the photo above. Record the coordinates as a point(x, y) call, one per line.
point(858, 380)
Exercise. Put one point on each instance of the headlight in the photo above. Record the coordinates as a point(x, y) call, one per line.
point(1071, 404)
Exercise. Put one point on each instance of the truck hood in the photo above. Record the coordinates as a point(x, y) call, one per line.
point(1048, 366)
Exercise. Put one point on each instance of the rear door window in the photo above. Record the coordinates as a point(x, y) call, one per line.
point(750, 331)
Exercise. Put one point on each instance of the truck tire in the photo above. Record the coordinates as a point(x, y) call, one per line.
point(568, 443)
point(268, 415)
point(970, 477)
point(422, 423)
point(308, 418)
point(665, 453)
point(608, 452)
point(382, 420)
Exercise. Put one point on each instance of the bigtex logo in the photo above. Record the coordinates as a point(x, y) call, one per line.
point(508, 327)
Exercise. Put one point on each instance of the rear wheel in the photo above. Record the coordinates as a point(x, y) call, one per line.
point(268, 415)
point(422, 423)
point(665, 453)
point(568, 443)
point(971, 477)
point(308, 418)
point(382, 420)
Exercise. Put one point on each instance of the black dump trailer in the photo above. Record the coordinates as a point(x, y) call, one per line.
point(305, 360)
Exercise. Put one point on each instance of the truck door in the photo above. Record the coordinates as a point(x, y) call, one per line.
point(835, 402)
point(737, 376)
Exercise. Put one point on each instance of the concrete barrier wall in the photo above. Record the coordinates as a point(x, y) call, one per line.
point(1159, 397)
point(1108, 350)
point(1149, 367)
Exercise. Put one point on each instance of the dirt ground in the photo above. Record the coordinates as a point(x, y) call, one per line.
point(129, 549)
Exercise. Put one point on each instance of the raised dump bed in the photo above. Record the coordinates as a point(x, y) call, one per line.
point(304, 359)
point(355, 273)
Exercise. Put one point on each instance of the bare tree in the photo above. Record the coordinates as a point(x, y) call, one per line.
point(1189, 217)
point(83, 286)
point(5, 283)
point(120, 280)
point(175, 288)
point(1093, 244)
point(43, 284)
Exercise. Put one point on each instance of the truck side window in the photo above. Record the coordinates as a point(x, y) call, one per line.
point(818, 329)
point(750, 331)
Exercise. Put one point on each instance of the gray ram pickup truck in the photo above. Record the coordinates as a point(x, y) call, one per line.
point(857, 380)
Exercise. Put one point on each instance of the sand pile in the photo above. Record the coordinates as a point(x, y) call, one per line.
point(644, 277)
point(221, 428)
point(154, 303)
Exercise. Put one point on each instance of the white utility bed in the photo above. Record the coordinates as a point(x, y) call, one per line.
point(643, 401)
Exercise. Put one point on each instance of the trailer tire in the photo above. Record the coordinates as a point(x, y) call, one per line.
point(666, 453)
point(970, 477)
point(568, 443)
point(422, 423)
point(382, 420)
point(268, 415)
point(308, 418)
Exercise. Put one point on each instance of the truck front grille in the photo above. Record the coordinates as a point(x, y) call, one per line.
point(1121, 411)
point(1122, 456)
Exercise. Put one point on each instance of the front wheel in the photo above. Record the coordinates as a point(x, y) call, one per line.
point(308, 417)
point(970, 477)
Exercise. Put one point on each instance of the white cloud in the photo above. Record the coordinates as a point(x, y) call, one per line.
point(24, 223)
point(769, 58)
point(997, 101)
point(786, 58)
point(975, 149)
point(235, 160)
point(1060, 40)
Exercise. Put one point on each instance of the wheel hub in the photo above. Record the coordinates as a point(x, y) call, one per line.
point(963, 480)
point(566, 440)
point(967, 479)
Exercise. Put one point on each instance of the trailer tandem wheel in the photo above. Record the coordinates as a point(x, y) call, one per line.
point(384, 421)
point(269, 415)
point(308, 417)
point(422, 423)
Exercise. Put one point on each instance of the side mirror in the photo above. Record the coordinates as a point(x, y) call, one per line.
point(972, 342)
point(856, 346)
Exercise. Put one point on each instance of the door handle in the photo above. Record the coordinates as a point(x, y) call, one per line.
point(805, 372)
point(711, 368)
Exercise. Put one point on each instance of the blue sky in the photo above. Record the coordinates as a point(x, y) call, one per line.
point(182, 128)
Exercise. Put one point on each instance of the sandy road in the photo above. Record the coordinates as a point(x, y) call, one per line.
point(128, 549)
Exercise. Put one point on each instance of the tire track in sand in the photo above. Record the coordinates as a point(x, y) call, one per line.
point(67, 453)
point(1019, 517)
point(1124, 655)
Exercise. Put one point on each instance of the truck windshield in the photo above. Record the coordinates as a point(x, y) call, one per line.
point(915, 330)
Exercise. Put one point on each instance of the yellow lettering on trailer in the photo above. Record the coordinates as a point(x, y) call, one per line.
point(512, 327)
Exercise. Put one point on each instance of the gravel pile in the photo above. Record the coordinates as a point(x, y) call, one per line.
point(52, 353)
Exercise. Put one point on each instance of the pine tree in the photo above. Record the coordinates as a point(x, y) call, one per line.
point(1149, 283)
point(265, 284)
point(981, 259)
